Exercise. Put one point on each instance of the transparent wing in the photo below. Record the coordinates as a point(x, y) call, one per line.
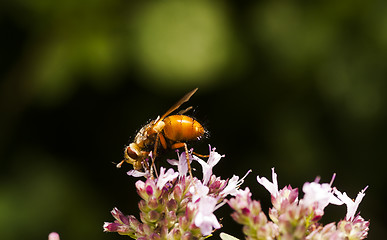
point(179, 103)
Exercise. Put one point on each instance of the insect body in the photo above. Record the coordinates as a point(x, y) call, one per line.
point(169, 131)
point(182, 128)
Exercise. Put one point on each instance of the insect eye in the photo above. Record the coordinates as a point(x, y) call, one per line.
point(132, 154)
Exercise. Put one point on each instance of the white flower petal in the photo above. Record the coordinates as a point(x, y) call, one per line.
point(272, 187)
point(165, 177)
point(233, 185)
point(351, 205)
point(135, 173)
point(205, 219)
point(198, 190)
point(213, 159)
point(173, 162)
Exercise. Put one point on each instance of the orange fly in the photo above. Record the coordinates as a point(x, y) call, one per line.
point(169, 131)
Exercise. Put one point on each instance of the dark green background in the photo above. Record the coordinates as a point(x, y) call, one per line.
point(295, 86)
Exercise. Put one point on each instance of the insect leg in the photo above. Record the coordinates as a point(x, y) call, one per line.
point(200, 155)
point(163, 141)
point(187, 157)
point(154, 155)
point(159, 138)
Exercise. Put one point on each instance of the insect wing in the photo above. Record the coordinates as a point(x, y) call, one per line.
point(181, 112)
point(179, 103)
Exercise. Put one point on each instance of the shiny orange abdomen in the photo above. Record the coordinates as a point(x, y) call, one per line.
point(182, 128)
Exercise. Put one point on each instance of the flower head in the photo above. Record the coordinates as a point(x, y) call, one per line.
point(291, 218)
point(357, 228)
point(177, 206)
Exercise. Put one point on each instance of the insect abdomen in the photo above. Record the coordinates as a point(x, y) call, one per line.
point(182, 128)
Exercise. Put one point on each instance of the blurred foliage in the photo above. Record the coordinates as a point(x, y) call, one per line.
point(294, 85)
point(184, 42)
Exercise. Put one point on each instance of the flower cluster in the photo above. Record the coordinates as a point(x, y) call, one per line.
point(291, 218)
point(175, 205)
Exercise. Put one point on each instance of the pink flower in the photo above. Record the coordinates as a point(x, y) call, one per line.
point(233, 185)
point(181, 164)
point(319, 195)
point(213, 159)
point(135, 173)
point(205, 218)
point(287, 195)
point(165, 177)
point(53, 236)
point(198, 190)
point(242, 199)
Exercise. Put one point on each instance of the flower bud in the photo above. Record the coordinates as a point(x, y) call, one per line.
point(184, 223)
point(149, 190)
point(177, 193)
point(140, 185)
point(117, 214)
point(187, 236)
point(133, 222)
point(154, 236)
point(246, 211)
point(143, 206)
point(164, 232)
point(171, 218)
point(190, 211)
point(110, 227)
point(176, 234)
point(152, 203)
point(153, 216)
point(172, 205)
point(147, 230)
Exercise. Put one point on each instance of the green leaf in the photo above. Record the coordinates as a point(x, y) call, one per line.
point(225, 236)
